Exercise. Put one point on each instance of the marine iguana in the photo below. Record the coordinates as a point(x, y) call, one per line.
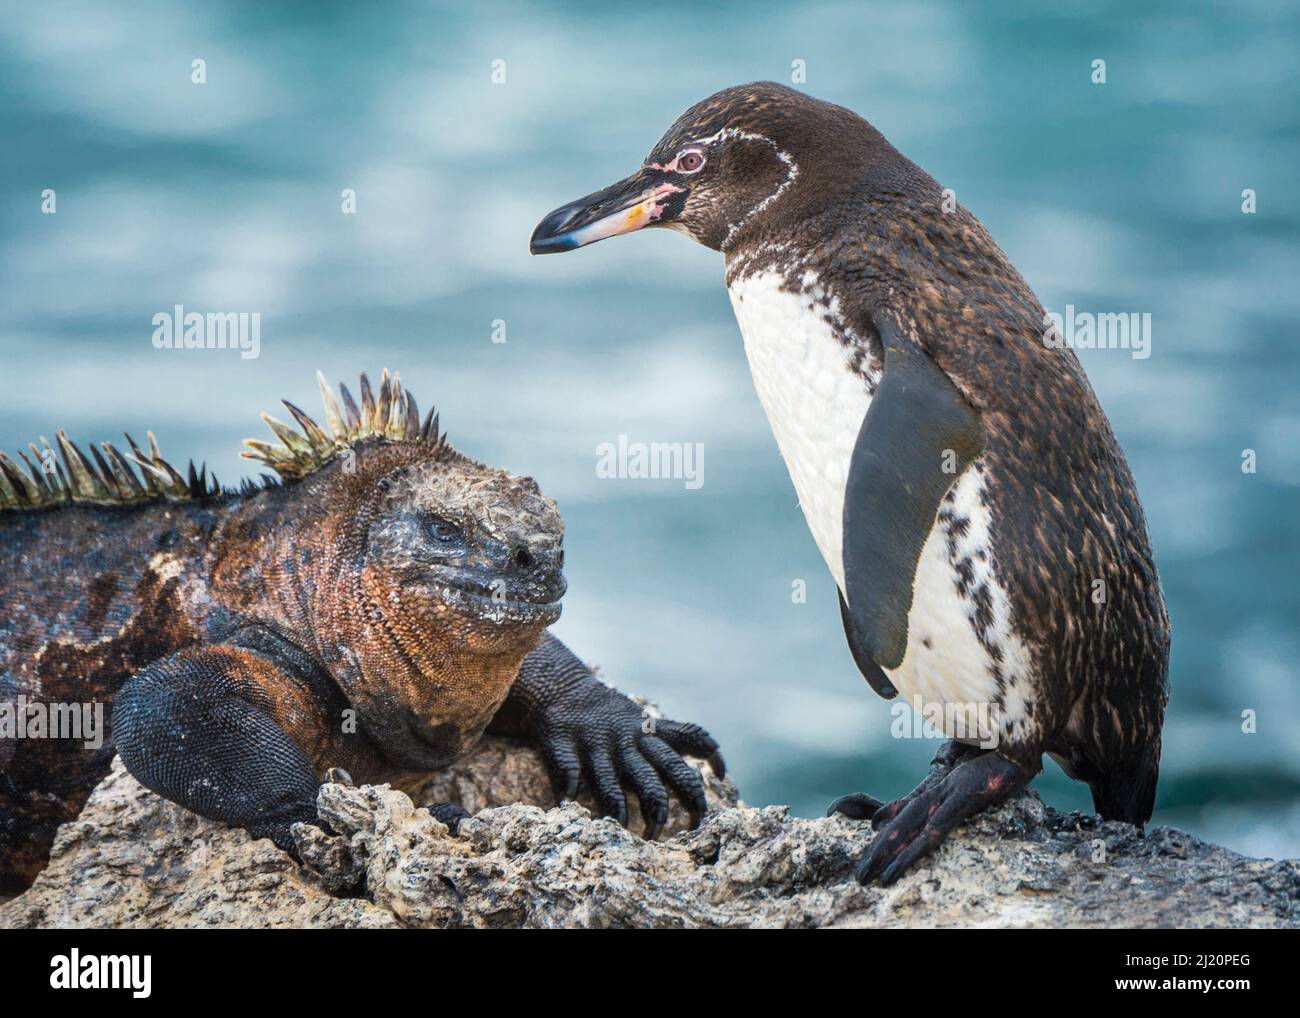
point(376, 608)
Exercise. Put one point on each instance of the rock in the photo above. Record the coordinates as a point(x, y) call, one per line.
point(133, 859)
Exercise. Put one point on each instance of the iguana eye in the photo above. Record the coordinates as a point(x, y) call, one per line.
point(443, 530)
point(689, 160)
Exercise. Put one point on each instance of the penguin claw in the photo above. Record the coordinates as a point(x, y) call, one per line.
point(857, 806)
point(936, 809)
point(889, 811)
point(951, 754)
point(894, 851)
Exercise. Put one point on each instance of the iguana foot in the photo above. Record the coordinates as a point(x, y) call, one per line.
point(934, 810)
point(449, 813)
point(589, 733)
point(337, 776)
point(611, 740)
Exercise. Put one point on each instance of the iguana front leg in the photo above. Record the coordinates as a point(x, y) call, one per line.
point(199, 727)
point(585, 729)
point(234, 735)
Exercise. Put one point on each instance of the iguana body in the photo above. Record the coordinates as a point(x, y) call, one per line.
point(376, 612)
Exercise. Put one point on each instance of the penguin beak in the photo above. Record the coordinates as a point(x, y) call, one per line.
point(643, 199)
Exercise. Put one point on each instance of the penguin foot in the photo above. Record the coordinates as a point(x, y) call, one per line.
point(935, 809)
point(858, 806)
point(949, 755)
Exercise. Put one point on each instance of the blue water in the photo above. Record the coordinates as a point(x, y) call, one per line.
point(225, 196)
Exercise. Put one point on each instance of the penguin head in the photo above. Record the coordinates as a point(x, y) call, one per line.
point(758, 157)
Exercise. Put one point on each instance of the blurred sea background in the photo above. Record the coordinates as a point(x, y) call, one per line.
point(226, 196)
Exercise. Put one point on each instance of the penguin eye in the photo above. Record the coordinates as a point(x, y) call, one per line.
point(689, 160)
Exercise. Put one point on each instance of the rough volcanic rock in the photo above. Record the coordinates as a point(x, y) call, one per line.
point(133, 859)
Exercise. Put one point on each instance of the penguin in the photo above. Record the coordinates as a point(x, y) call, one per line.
point(951, 459)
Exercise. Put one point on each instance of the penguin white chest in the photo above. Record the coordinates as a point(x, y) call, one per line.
point(814, 402)
point(961, 648)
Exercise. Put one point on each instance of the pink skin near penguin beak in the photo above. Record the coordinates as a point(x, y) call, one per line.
point(638, 202)
point(642, 214)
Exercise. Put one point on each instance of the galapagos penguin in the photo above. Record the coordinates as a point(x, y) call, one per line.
point(953, 464)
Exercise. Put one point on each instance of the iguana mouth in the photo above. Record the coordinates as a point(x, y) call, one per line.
point(494, 607)
point(500, 597)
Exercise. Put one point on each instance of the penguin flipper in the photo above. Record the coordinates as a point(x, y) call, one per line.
point(871, 671)
point(917, 438)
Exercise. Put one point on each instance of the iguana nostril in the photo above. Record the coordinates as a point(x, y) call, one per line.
point(521, 557)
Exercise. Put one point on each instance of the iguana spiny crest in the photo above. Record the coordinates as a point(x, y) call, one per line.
point(106, 477)
point(391, 415)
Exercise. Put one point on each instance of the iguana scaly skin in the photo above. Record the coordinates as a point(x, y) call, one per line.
point(377, 611)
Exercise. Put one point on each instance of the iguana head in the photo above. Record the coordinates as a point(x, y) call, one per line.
point(429, 576)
